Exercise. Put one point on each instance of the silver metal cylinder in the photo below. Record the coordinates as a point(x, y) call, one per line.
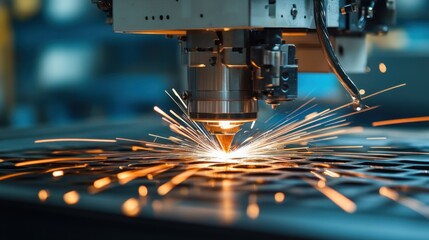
point(273, 57)
point(219, 77)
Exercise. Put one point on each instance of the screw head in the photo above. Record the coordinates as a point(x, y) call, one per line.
point(294, 11)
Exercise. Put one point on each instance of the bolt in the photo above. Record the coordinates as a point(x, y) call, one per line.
point(294, 11)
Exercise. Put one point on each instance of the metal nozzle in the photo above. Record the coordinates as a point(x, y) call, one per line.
point(224, 88)
point(224, 131)
point(225, 141)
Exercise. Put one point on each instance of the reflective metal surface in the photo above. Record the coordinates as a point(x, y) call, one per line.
point(266, 196)
point(219, 79)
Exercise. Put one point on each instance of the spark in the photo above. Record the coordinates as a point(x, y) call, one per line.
point(127, 176)
point(381, 147)
point(43, 195)
point(339, 147)
point(13, 175)
point(58, 173)
point(102, 182)
point(55, 160)
point(143, 191)
point(321, 184)
point(252, 207)
point(140, 148)
point(166, 187)
point(384, 90)
point(400, 152)
point(322, 178)
point(131, 207)
point(180, 98)
point(90, 151)
point(75, 140)
point(71, 197)
point(400, 121)
point(411, 203)
point(382, 67)
point(342, 201)
point(331, 174)
point(279, 197)
point(292, 136)
point(376, 138)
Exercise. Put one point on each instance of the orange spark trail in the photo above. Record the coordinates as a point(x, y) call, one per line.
point(286, 144)
point(168, 186)
point(127, 176)
point(74, 140)
point(14, 175)
point(53, 160)
point(342, 201)
point(384, 90)
point(409, 202)
point(400, 121)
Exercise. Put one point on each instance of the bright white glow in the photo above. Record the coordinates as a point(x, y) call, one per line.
point(221, 156)
point(253, 124)
point(225, 124)
point(58, 173)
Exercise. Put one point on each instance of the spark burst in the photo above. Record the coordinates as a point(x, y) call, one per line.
point(288, 143)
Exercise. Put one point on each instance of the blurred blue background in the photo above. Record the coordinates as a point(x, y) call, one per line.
point(60, 64)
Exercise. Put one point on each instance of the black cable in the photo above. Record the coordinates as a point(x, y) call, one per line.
point(328, 50)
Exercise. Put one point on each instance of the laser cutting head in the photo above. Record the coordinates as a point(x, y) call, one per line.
point(220, 91)
point(238, 52)
point(229, 71)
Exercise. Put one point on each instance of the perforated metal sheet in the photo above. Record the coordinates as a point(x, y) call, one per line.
point(227, 194)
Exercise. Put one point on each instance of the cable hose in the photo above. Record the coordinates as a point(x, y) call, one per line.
point(328, 51)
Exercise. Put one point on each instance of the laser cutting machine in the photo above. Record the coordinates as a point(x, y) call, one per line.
point(237, 52)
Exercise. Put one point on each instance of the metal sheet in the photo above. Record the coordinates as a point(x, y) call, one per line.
point(222, 194)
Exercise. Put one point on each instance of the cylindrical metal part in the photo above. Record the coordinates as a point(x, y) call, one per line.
point(221, 93)
point(273, 58)
point(219, 78)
